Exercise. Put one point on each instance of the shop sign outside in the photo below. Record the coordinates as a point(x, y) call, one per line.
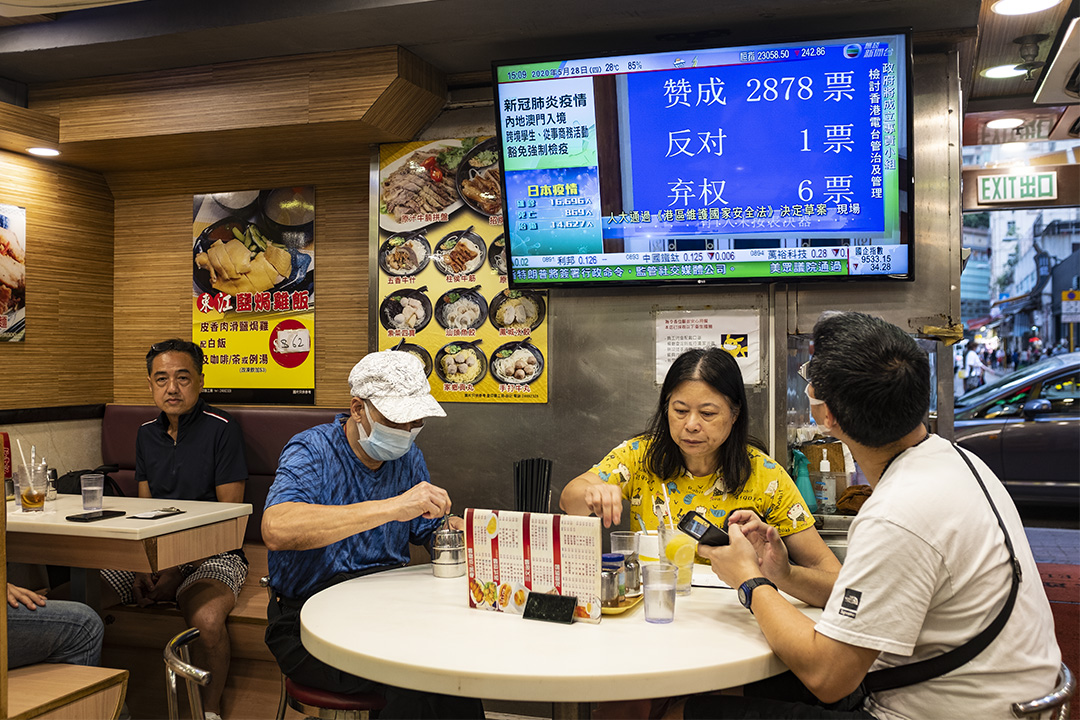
point(1070, 306)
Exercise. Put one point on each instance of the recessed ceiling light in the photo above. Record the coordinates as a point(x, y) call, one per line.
point(1022, 7)
point(43, 151)
point(1002, 71)
point(1005, 123)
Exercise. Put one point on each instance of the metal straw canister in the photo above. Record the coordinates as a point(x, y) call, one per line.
point(448, 553)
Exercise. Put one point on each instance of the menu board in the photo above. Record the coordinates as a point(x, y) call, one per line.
point(511, 554)
point(442, 285)
point(253, 294)
point(12, 273)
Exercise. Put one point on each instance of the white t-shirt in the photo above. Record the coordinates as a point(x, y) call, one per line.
point(974, 363)
point(926, 570)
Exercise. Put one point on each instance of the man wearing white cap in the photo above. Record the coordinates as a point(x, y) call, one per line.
point(348, 498)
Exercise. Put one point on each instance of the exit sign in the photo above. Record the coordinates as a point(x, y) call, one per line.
point(1017, 188)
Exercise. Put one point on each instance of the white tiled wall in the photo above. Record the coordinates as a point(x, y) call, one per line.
point(67, 445)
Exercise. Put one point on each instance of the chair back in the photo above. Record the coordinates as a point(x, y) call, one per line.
point(1058, 700)
point(178, 662)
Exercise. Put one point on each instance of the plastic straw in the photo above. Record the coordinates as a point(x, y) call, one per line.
point(22, 455)
point(667, 504)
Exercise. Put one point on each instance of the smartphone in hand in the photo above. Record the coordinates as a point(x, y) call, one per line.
point(702, 530)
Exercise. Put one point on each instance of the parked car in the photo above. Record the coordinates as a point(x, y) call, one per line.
point(1026, 427)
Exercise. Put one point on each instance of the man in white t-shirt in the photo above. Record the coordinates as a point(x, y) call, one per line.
point(927, 566)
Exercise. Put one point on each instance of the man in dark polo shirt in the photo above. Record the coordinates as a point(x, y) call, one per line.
point(191, 451)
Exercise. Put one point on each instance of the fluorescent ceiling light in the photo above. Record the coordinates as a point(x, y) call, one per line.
point(1005, 123)
point(43, 151)
point(1022, 7)
point(1002, 71)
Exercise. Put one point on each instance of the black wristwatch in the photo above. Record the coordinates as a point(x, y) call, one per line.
point(746, 590)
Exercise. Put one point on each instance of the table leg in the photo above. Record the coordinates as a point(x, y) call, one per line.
point(571, 711)
point(86, 586)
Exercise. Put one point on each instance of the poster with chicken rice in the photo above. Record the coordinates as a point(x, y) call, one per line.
point(12, 273)
point(253, 294)
point(441, 267)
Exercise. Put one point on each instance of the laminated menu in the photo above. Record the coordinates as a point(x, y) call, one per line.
point(511, 554)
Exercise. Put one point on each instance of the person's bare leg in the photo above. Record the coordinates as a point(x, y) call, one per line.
point(206, 605)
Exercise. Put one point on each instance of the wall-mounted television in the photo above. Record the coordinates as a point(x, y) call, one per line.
point(775, 162)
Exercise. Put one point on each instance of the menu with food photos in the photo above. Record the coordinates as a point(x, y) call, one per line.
point(442, 288)
point(511, 554)
point(253, 294)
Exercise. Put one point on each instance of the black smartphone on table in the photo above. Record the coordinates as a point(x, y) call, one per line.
point(702, 530)
point(95, 515)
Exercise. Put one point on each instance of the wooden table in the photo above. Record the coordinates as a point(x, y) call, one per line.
point(123, 543)
point(410, 629)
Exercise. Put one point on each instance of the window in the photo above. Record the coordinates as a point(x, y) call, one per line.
point(1063, 392)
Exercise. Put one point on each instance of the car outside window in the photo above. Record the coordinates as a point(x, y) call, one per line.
point(1063, 392)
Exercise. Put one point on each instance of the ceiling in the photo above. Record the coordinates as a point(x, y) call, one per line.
point(462, 37)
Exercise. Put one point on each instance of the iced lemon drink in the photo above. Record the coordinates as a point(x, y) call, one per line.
point(679, 550)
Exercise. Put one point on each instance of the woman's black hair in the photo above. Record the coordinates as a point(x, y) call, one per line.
point(718, 369)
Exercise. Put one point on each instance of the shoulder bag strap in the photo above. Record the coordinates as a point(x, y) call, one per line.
point(903, 675)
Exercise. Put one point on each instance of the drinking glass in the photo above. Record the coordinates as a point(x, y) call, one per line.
point(679, 549)
point(658, 580)
point(625, 542)
point(93, 487)
point(33, 486)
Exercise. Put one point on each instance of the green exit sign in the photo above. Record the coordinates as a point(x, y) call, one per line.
point(1017, 188)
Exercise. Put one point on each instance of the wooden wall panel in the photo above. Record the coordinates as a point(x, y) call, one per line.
point(294, 108)
point(66, 357)
point(153, 263)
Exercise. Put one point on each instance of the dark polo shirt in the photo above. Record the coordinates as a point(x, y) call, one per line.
point(209, 451)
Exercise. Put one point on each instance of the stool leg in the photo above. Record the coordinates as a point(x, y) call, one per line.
point(281, 701)
point(170, 693)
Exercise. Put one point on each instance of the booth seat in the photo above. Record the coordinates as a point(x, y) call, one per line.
point(265, 430)
point(134, 637)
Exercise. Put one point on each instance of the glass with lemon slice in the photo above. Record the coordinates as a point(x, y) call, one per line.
point(679, 549)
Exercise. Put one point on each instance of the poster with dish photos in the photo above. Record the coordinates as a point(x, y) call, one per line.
point(12, 273)
point(253, 294)
point(511, 554)
point(442, 288)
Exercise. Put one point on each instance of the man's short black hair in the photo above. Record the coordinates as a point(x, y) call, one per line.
point(873, 376)
point(174, 345)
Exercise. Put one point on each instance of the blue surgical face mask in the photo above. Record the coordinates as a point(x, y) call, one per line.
point(385, 443)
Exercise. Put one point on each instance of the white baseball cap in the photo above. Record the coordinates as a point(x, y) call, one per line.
point(395, 383)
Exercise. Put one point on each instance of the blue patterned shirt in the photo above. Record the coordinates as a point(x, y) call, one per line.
point(319, 467)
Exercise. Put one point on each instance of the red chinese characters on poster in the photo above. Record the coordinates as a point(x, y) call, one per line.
point(253, 294)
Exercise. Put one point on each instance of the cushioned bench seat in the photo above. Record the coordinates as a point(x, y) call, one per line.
point(266, 430)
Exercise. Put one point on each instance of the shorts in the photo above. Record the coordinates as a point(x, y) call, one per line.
point(230, 568)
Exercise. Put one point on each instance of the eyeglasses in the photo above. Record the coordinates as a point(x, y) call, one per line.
point(805, 375)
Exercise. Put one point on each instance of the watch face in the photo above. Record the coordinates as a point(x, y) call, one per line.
point(744, 597)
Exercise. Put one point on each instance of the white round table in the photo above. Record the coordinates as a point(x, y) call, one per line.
point(410, 629)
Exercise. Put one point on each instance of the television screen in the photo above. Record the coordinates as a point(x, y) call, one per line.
point(772, 162)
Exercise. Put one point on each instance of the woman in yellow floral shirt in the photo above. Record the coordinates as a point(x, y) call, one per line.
point(697, 445)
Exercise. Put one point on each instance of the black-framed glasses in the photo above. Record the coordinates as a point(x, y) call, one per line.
point(804, 371)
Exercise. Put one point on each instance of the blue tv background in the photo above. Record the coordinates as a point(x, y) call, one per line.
point(762, 161)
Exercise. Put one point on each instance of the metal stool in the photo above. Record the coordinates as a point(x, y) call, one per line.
point(328, 705)
point(1056, 700)
point(323, 704)
point(177, 662)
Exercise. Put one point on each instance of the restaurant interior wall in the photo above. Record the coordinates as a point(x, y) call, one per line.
point(66, 356)
point(603, 346)
point(602, 341)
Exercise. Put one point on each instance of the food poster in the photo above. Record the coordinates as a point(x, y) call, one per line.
point(12, 273)
point(253, 294)
point(442, 289)
point(511, 554)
